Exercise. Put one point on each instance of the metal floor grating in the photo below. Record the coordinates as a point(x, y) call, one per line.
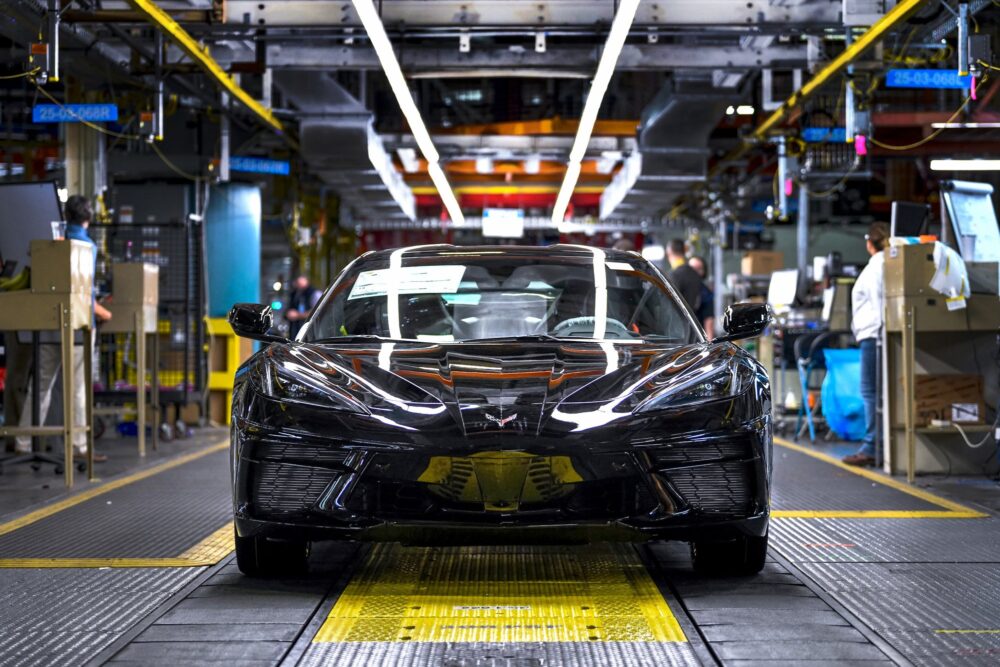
point(519, 654)
point(65, 617)
point(831, 488)
point(888, 540)
point(158, 517)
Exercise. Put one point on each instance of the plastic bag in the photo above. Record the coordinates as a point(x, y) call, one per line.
point(842, 404)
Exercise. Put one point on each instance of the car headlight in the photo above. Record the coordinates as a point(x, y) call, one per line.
point(293, 387)
point(709, 385)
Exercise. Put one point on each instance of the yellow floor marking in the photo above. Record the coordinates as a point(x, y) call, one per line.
point(209, 551)
point(968, 632)
point(955, 510)
point(600, 592)
point(97, 563)
point(873, 514)
point(213, 548)
point(96, 491)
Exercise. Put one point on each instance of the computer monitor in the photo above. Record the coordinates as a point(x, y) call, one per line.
point(782, 289)
point(908, 218)
point(28, 212)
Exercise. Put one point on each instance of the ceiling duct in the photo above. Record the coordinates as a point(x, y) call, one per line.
point(340, 146)
point(672, 151)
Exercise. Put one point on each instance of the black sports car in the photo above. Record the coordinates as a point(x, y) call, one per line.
point(469, 395)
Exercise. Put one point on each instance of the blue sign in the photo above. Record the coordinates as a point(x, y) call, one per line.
point(259, 165)
point(817, 135)
point(74, 113)
point(926, 78)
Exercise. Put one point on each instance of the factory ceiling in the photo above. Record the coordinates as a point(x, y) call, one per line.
point(500, 85)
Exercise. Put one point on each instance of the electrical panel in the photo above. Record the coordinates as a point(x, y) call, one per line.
point(865, 12)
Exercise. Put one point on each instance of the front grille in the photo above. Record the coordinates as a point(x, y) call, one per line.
point(300, 452)
point(715, 488)
point(672, 454)
point(284, 489)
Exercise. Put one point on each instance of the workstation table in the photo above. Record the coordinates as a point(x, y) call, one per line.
point(60, 300)
point(133, 306)
point(924, 336)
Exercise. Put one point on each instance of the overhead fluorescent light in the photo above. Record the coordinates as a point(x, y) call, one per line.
point(447, 194)
point(566, 192)
point(532, 165)
point(408, 157)
point(372, 22)
point(965, 126)
point(730, 110)
point(965, 165)
point(744, 110)
point(598, 87)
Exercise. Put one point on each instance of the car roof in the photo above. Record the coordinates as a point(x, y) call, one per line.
point(552, 252)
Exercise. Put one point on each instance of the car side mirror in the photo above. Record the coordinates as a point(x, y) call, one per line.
point(253, 320)
point(745, 320)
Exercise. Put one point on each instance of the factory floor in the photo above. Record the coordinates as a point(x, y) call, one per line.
point(138, 568)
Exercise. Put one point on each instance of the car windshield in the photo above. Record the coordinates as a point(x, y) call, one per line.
point(464, 296)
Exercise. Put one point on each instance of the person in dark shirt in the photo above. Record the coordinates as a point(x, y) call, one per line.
point(301, 303)
point(706, 311)
point(684, 279)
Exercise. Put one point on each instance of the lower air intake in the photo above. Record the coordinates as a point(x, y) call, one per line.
point(715, 488)
point(282, 489)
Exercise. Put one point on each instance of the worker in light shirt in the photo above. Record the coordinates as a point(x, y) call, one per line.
point(866, 323)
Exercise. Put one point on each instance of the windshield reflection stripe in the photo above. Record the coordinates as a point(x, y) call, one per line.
point(385, 355)
point(600, 294)
point(612, 353)
point(392, 294)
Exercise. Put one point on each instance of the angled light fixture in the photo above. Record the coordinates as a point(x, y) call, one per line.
point(965, 165)
point(372, 22)
point(598, 87)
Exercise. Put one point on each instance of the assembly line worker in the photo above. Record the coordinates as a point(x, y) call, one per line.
point(684, 279)
point(866, 322)
point(706, 309)
point(301, 303)
point(78, 216)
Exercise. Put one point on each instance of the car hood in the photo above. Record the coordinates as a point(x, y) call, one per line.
point(490, 386)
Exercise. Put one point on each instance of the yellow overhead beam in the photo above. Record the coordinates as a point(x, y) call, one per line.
point(200, 55)
point(896, 15)
point(874, 34)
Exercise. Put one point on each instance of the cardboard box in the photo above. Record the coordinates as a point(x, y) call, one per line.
point(909, 269)
point(761, 262)
point(217, 407)
point(936, 395)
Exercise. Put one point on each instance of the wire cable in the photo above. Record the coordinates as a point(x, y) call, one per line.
point(930, 137)
point(836, 186)
point(173, 167)
point(8, 77)
point(989, 434)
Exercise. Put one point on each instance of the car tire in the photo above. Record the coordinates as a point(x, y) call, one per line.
point(743, 556)
point(260, 557)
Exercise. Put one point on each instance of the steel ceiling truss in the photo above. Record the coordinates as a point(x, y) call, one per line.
point(634, 57)
point(542, 15)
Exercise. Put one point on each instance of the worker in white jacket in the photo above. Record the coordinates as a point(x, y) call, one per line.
point(866, 322)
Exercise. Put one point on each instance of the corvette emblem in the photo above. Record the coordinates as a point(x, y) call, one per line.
point(501, 421)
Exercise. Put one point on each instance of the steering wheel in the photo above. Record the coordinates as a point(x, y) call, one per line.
point(584, 326)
